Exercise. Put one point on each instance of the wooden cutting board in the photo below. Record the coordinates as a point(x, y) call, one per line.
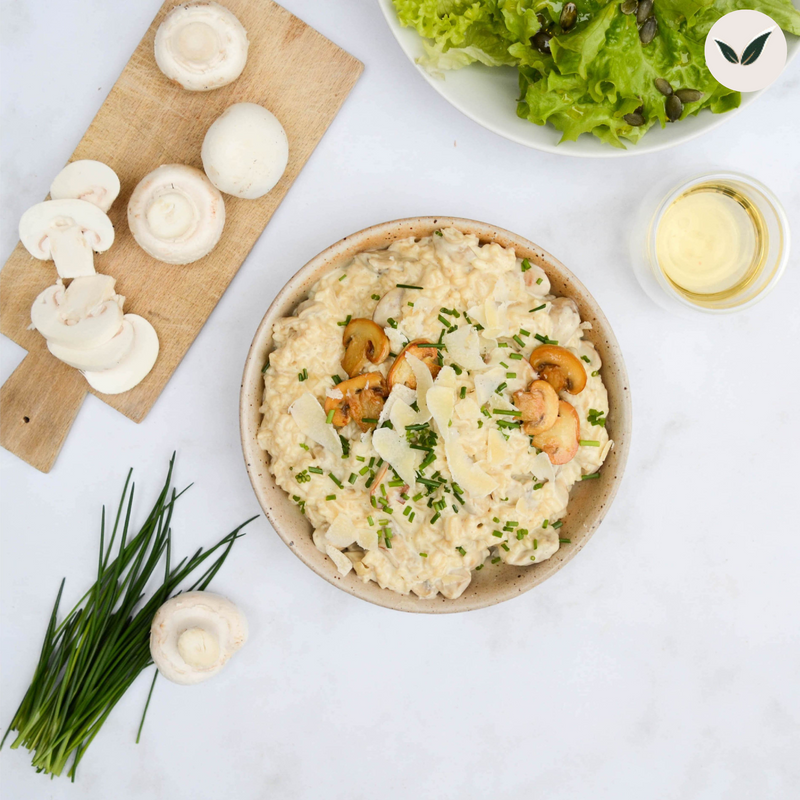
point(144, 122)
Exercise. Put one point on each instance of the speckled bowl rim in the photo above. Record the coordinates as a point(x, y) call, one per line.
point(589, 500)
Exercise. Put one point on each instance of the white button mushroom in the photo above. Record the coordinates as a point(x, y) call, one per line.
point(103, 357)
point(85, 315)
point(245, 151)
point(201, 46)
point(66, 231)
point(176, 215)
point(92, 181)
point(194, 634)
point(134, 367)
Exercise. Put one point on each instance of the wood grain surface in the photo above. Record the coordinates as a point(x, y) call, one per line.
point(144, 122)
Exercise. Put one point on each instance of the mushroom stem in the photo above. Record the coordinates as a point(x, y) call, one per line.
point(71, 253)
point(198, 648)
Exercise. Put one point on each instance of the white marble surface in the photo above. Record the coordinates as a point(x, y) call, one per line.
point(662, 662)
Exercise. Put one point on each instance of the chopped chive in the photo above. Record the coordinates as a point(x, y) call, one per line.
point(461, 550)
point(361, 459)
point(537, 486)
point(265, 368)
point(353, 478)
point(535, 544)
point(516, 356)
point(417, 497)
point(588, 443)
point(498, 534)
point(343, 277)
point(558, 524)
point(586, 359)
point(423, 555)
point(499, 389)
point(329, 416)
point(545, 523)
point(508, 411)
point(411, 516)
point(590, 477)
point(457, 369)
point(523, 332)
point(526, 265)
point(383, 490)
point(538, 308)
point(406, 511)
point(463, 392)
point(480, 566)
point(503, 364)
point(595, 373)
point(505, 546)
point(518, 340)
point(565, 541)
point(369, 420)
point(304, 445)
point(376, 297)
point(395, 483)
point(539, 281)
point(511, 375)
point(438, 345)
point(331, 497)
point(336, 379)
point(435, 517)
point(409, 303)
point(443, 321)
point(346, 321)
point(392, 322)
point(303, 375)
point(370, 520)
point(502, 344)
point(316, 470)
point(407, 286)
point(496, 560)
point(372, 499)
point(438, 233)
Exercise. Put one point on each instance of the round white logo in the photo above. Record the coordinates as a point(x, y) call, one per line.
point(746, 51)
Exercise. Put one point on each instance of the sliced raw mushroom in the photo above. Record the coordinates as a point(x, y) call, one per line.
point(560, 442)
point(193, 635)
point(245, 151)
point(362, 398)
point(84, 316)
point(136, 365)
point(176, 215)
point(560, 368)
point(401, 371)
point(106, 356)
point(201, 46)
point(92, 181)
point(389, 307)
point(363, 341)
point(539, 407)
point(67, 232)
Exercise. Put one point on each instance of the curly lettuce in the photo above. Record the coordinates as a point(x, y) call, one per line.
point(596, 73)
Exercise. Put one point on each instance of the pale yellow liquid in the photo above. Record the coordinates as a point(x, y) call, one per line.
point(710, 243)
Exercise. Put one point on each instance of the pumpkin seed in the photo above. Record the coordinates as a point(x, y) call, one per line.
point(648, 31)
point(635, 119)
point(674, 107)
point(689, 95)
point(644, 11)
point(662, 84)
point(629, 6)
point(541, 41)
point(569, 16)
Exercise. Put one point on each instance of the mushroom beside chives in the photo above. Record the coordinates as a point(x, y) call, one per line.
point(92, 181)
point(176, 215)
point(560, 368)
point(201, 46)
point(68, 232)
point(193, 635)
point(245, 151)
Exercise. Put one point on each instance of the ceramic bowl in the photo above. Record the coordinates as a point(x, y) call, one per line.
point(589, 500)
point(488, 95)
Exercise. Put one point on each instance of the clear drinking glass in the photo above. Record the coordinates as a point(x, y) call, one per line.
point(771, 254)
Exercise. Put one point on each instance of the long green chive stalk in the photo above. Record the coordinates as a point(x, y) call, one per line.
point(90, 659)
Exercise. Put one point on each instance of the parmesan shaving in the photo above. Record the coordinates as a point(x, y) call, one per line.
point(463, 348)
point(310, 418)
point(486, 383)
point(394, 449)
point(343, 563)
point(424, 384)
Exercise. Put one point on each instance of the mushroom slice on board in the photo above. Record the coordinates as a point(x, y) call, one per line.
point(193, 635)
point(176, 215)
point(83, 316)
point(105, 356)
point(401, 371)
point(245, 151)
point(560, 442)
point(363, 341)
point(201, 46)
point(539, 407)
point(136, 365)
point(560, 368)
point(67, 232)
point(92, 181)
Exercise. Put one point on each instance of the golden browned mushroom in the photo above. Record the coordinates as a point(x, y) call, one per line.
point(561, 441)
point(539, 407)
point(363, 340)
point(401, 371)
point(362, 399)
point(560, 368)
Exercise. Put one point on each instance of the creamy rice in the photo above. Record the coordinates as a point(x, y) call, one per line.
point(417, 538)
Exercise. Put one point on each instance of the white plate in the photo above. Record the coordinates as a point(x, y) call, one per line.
point(488, 95)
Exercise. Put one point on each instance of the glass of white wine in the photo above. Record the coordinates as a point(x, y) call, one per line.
point(716, 243)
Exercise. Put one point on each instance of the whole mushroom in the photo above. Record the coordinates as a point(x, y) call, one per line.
point(176, 215)
point(245, 151)
point(193, 635)
point(201, 46)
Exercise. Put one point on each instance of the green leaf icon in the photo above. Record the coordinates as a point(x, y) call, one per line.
point(753, 50)
point(728, 51)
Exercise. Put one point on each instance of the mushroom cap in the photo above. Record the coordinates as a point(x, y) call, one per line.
point(83, 316)
point(92, 181)
point(245, 151)
point(186, 612)
point(105, 356)
point(201, 46)
point(134, 367)
point(95, 226)
point(176, 215)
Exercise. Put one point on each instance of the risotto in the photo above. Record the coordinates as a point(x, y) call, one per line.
point(429, 408)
